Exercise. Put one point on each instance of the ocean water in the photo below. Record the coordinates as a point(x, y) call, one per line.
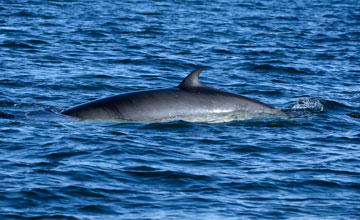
point(299, 56)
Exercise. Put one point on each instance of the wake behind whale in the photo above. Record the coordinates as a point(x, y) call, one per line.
point(189, 101)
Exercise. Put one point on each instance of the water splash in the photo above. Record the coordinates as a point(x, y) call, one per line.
point(308, 104)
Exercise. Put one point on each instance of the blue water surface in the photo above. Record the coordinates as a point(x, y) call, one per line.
point(299, 56)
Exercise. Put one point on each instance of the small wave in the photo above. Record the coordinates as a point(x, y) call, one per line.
point(178, 125)
point(25, 14)
point(98, 209)
point(49, 115)
point(325, 56)
point(21, 217)
point(37, 42)
point(5, 115)
point(16, 45)
point(273, 68)
point(223, 51)
point(288, 18)
point(333, 105)
point(124, 61)
point(95, 33)
point(168, 176)
point(354, 114)
point(8, 104)
point(57, 156)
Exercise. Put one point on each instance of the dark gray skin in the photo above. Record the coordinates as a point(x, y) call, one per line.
point(189, 98)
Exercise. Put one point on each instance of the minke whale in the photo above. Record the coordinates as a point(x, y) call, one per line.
point(189, 101)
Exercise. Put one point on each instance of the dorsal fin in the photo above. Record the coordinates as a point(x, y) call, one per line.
point(192, 80)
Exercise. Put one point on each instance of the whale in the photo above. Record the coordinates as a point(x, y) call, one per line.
point(191, 100)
